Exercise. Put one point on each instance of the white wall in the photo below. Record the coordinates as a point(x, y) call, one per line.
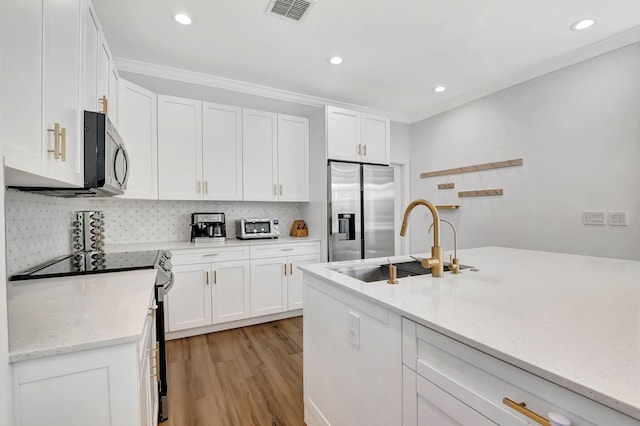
point(401, 159)
point(578, 131)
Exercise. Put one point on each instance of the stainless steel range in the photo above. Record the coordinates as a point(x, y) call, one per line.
point(97, 262)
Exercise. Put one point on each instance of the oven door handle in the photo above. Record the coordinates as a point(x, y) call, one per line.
point(171, 282)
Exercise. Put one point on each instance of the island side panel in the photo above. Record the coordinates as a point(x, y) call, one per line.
point(352, 358)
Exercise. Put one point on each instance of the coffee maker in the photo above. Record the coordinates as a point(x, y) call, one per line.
point(208, 228)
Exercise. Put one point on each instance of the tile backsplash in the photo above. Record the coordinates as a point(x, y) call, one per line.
point(37, 226)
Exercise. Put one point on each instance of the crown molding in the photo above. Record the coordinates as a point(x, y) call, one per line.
point(601, 47)
point(186, 76)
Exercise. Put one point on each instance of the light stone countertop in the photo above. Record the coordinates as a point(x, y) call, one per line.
point(187, 245)
point(573, 320)
point(59, 315)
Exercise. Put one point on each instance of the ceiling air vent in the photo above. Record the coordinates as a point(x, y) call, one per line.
point(292, 9)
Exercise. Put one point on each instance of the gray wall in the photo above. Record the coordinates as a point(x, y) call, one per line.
point(578, 131)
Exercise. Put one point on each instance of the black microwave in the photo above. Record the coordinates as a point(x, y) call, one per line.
point(106, 163)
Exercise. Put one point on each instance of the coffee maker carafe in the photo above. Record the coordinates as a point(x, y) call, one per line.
point(208, 228)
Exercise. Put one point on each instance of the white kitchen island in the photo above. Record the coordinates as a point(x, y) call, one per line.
point(559, 332)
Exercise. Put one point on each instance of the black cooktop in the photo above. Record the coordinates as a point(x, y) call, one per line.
point(90, 263)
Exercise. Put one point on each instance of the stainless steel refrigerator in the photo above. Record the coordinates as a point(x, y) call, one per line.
point(361, 208)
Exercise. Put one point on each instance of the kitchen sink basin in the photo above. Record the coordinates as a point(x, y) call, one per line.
point(372, 273)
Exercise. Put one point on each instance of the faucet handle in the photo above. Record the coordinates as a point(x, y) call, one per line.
point(454, 264)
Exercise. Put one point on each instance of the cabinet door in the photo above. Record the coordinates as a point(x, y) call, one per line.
point(222, 152)
point(138, 128)
point(375, 138)
point(425, 404)
point(268, 286)
point(61, 85)
point(295, 283)
point(293, 158)
point(179, 148)
point(188, 303)
point(113, 94)
point(230, 298)
point(90, 60)
point(104, 63)
point(343, 134)
point(259, 153)
point(21, 82)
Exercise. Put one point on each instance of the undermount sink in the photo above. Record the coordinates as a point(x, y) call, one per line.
point(372, 273)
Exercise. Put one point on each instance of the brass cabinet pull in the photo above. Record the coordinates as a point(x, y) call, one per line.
point(207, 274)
point(105, 104)
point(285, 269)
point(364, 150)
point(280, 189)
point(359, 149)
point(56, 138)
point(199, 187)
point(206, 186)
point(291, 268)
point(215, 277)
point(63, 144)
point(275, 189)
point(211, 254)
point(521, 408)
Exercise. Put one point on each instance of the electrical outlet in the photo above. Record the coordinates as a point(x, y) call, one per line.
point(618, 219)
point(594, 218)
point(354, 329)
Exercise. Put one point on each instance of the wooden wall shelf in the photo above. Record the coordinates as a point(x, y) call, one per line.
point(450, 185)
point(481, 193)
point(474, 168)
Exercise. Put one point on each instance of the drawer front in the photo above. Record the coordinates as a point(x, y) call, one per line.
point(482, 382)
point(285, 249)
point(209, 255)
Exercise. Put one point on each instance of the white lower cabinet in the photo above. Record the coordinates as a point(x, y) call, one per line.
point(230, 298)
point(276, 286)
point(207, 292)
point(188, 303)
point(268, 286)
point(108, 386)
point(220, 285)
point(446, 382)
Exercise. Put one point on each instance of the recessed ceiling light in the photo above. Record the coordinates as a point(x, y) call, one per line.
point(439, 89)
point(183, 19)
point(582, 25)
point(335, 60)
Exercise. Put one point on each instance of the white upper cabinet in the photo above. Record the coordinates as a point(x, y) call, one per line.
point(275, 156)
point(179, 149)
point(357, 136)
point(343, 134)
point(222, 152)
point(260, 155)
point(138, 129)
point(40, 99)
point(99, 77)
point(293, 158)
point(375, 136)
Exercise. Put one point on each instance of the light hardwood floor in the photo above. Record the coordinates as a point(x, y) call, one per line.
point(247, 376)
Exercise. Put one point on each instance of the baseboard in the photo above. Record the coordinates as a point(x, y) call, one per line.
point(232, 324)
point(312, 415)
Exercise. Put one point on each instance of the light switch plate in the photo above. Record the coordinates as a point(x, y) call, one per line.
point(618, 219)
point(594, 218)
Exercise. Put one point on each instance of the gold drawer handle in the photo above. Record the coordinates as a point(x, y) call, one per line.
point(210, 254)
point(105, 104)
point(56, 137)
point(63, 147)
point(521, 408)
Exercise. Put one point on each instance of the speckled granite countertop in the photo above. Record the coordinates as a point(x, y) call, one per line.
point(68, 314)
point(573, 320)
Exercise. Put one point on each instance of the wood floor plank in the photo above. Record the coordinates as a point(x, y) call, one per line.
point(249, 376)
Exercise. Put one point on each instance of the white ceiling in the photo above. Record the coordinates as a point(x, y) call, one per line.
point(394, 52)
